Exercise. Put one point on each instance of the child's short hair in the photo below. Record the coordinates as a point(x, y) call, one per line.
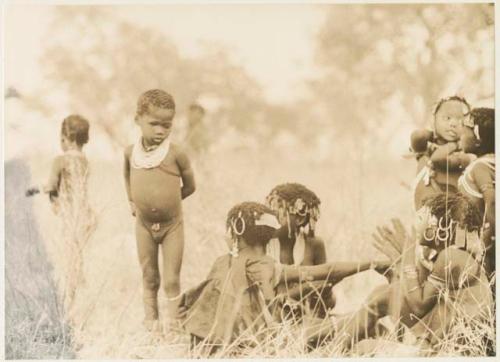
point(155, 97)
point(457, 207)
point(484, 118)
point(448, 99)
point(197, 107)
point(76, 129)
point(241, 220)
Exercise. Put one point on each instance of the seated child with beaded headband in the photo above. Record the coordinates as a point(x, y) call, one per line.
point(297, 208)
point(478, 180)
point(158, 176)
point(227, 304)
point(439, 162)
point(417, 299)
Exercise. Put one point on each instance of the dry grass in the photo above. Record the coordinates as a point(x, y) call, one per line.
point(357, 194)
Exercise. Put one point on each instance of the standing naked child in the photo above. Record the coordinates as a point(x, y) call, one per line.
point(67, 190)
point(478, 180)
point(153, 170)
point(439, 162)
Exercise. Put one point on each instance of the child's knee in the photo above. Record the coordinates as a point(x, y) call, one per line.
point(171, 284)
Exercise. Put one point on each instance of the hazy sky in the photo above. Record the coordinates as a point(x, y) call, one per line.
point(275, 43)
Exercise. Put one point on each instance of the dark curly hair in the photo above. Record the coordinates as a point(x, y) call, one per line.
point(155, 97)
point(290, 192)
point(76, 129)
point(455, 206)
point(484, 118)
point(448, 99)
point(243, 216)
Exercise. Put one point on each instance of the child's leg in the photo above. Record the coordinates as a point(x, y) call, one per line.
point(147, 249)
point(172, 249)
point(358, 325)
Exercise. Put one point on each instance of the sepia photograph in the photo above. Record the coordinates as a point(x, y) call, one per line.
point(258, 180)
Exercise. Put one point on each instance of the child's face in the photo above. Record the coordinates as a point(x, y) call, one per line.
point(449, 119)
point(468, 141)
point(156, 124)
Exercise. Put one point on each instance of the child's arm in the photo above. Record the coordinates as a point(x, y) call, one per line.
point(332, 272)
point(126, 174)
point(446, 157)
point(52, 185)
point(485, 182)
point(187, 175)
point(419, 140)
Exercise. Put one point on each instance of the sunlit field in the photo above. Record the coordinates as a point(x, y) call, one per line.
point(357, 193)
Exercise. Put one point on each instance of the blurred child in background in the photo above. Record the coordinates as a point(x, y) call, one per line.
point(440, 163)
point(197, 138)
point(154, 169)
point(478, 180)
point(67, 190)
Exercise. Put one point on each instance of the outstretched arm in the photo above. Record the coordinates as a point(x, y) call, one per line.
point(260, 271)
point(187, 175)
point(332, 272)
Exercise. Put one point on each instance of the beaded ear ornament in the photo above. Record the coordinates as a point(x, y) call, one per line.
point(238, 227)
point(438, 231)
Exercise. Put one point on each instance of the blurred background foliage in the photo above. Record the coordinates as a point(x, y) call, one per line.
point(382, 67)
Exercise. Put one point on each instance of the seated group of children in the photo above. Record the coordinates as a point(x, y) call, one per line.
point(247, 292)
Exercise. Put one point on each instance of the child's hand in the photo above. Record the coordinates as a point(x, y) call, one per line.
point(431, 146)
point(383, 267)
point(133, 209)
point(32, 191)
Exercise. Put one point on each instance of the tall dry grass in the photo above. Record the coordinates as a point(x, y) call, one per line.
point(357, 192)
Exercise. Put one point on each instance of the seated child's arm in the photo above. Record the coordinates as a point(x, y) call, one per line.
point(126, 174)
point(446, 157)
point(419, 140)
point(332, 272)
point(485, 182)
point(187, 175)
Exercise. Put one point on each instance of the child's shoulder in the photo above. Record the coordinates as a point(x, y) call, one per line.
point(481, 165)
point(177, 148)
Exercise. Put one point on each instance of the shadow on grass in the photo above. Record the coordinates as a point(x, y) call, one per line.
point(35, 326)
